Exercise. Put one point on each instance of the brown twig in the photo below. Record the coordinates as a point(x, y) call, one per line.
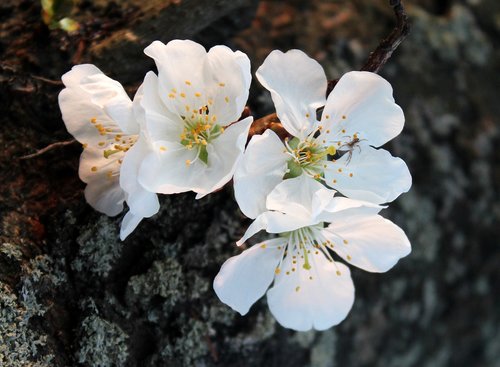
point(48, 148)
point(374, 63)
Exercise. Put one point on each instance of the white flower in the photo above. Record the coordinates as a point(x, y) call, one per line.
point(190, 110)
point(311, 289)
point(360, 114)
point(99, 114)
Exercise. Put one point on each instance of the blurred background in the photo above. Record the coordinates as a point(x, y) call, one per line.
point(72, 294)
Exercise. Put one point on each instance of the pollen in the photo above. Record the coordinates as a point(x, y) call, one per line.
point(345, 242)
point(101, 143)
point(327, 117)
point(263, 245)
point(339, 273)
point(188, 162)
point(293, 269)
point(226, 99)
point(343, 130)
point(93, 120)
point(340, 170)
point(93, 169)
point(297, 289)
point(183, 95)
point(163, 149)
point(187, 82)
point(222, 84)
point(277, 271)
point(174, 90)
point(197, 94)
point(171, 95)
point(334, 181)
point(344, 117)
point(187, 108)
point(350, 175)
point(349, 257)
point(307, 115)
point(85, 145)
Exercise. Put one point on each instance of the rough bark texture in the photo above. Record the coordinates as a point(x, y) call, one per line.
point(72, 294)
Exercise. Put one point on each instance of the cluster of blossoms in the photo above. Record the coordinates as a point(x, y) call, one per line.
point(319, 191)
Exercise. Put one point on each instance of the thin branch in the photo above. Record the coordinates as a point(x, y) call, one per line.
point(374, 63)
point(50, 147)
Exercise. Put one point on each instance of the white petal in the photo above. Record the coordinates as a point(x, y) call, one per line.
point(377, 176)
point(274, 222)
point(224, 153)
point(374, 243)
point(262, 167)
point(298, 86)
point(300, 196)
point(141, 202)
point(362, 103)
point(129, 223)
point(243, 279)
point(167, 172)
point(161, 124)
point(227, 81)
point(317, 298)
point(103, 191)
point(180, 66)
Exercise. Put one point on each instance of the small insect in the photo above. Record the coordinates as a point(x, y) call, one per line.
point(351, 145)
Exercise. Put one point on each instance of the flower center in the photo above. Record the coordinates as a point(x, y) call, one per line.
point(307, 157)
point(199, 130)
point(302, 245)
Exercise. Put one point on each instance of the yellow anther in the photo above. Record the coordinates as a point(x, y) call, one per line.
point(93, 169)
point(277, 271)
point(340, 170)
point(350, 175)
point(187, 82)
point(334, 181)
point(328, 131)
point(85, 145)
point(109, 174)
point(263, 245)
point(174, 90)
point(343, 130)
point(222, 130)
point(344, 117)
point(349, 257)
point(226, 99)
point(345, 242)
point(354, 136)
point(101, 143)
point(327, 116)
point(163, 149)
point(214, 118)
point(222, 84)
point(310, 278)
point(93, 120)
point(331, 150)
point(197, 94)
point(187, 108)
point(293, 269)
point(307, 115)
point(297, 289)
point(188, 162)
point(183, 95)
point(339, 273)
point(287, 273)
point(171, 95)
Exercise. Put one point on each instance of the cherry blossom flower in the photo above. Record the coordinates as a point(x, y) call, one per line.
point(359, 116)
point(190, 113)
point(99, 114)
point(311, 289)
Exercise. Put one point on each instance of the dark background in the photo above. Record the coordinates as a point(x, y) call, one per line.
point(72, 294)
